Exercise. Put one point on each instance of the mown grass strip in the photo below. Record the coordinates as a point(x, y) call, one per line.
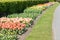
point(42, 30)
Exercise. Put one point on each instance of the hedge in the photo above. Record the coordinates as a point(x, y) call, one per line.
point(51, 0)
point(16, 6)
point(21, 0)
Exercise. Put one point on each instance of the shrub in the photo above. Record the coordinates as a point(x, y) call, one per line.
point(51, 0)
point(16, 6)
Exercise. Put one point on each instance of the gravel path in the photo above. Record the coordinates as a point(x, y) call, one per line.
point(56, 24)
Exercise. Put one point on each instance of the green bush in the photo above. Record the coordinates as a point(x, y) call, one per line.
point(16, 6)
point(51, 0)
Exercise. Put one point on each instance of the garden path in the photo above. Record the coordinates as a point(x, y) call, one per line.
point(56, 24)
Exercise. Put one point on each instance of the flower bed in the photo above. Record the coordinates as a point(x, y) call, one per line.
point(13, 26)
point(38, 8)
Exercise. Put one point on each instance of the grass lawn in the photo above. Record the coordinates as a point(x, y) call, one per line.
point(42, 30)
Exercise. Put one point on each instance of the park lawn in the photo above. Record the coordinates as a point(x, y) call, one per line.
point(42, 30)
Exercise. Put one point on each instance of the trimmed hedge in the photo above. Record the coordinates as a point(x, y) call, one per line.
point(16, 6)
point(21, 0)
point(51, 0)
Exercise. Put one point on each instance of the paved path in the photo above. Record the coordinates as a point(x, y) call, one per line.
point(56, 24)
